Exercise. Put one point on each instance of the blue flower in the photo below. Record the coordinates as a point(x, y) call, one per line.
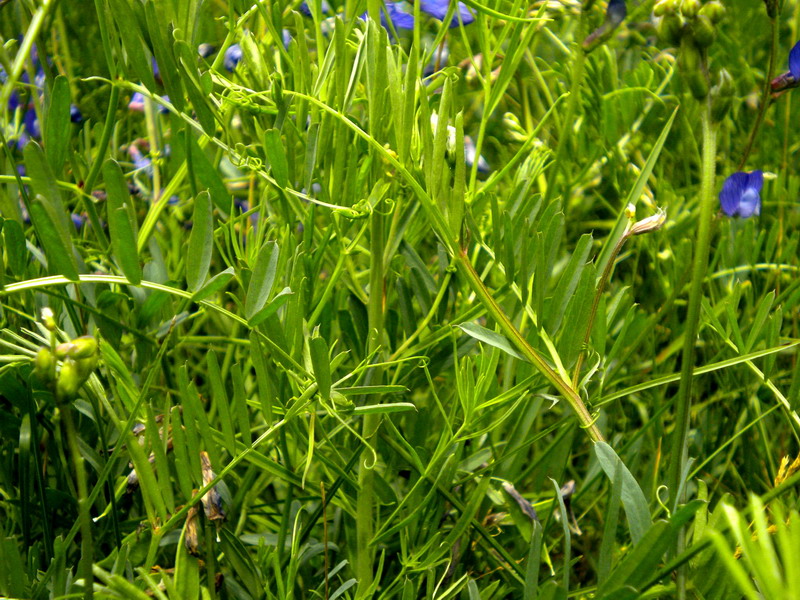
point(401, 14)
point(791, 78)
point(616, 12)
point(205, 50)
point(438, 9)
point(233, 56)
point(75, 114)
point(794, 61)
point(305, 9)
point(137, 104)
point(741, 194)
point(397, 15)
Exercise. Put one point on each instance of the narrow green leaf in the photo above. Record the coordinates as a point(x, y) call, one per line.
point(490, 337)
point(241, 563)
point(131, 35)
point(213, 285)
point(639, 564)
point(276, 155)
point(383, 409)
point(279, 300)
point(162, 47)
point(56, 126)
point(16, 250)
point(60, 257)
point(320, 362)
point(208, 177)
point(192, 81)
point(120, 228)
point(262, 280)
point(220, 397)
point(633, 499)
point(201, 242)
point(187, 570)
point(44, 184)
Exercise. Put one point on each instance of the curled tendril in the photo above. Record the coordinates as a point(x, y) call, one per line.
point(595, 416)
point(390, 204)
point(661, 502)
point(242, 160)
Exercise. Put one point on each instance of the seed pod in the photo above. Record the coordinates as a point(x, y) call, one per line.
point(43, 365)
point(68, 383)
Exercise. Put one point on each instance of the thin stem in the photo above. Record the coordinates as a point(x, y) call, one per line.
point(601, 286)
point(564, 137)
point(366, 474)
point(679, 454)
point(564, 388)
point(87, 547)
point(765, 93)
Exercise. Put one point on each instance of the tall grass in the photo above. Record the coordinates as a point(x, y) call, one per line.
point(442, 312)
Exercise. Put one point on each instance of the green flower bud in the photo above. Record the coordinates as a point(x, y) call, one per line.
point(690, 8)
point(670, 30)
point(48, 319)
point(722, 96)
point(691, 65)
point(64, 350)
point(44, 365)
point(86, 366)
point(68, 383)
point(666, 7)
point(714, 10)
point(84, 346)
point(703, 31)
point(342, 403)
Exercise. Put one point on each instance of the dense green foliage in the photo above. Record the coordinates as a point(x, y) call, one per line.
point(367, 314)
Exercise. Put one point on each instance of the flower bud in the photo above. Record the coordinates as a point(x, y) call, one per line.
point(714, 10)
point(651, 223)
point(703, 31)
point(86, 366)
point(44, 365)
point(670, 30)
point(722, 96)
point(690, 8)
point(772, 8)
point(666, 7)
point(691, 64)
point(84, 347)
point(49, 319)
point(68, 383)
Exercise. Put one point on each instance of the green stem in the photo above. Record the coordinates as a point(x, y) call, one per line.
point(679, 454)
point(366, 475)
point(87, 547)
point(564, 137)
point(494, 309)
point(765, 93)
point(601, 286)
